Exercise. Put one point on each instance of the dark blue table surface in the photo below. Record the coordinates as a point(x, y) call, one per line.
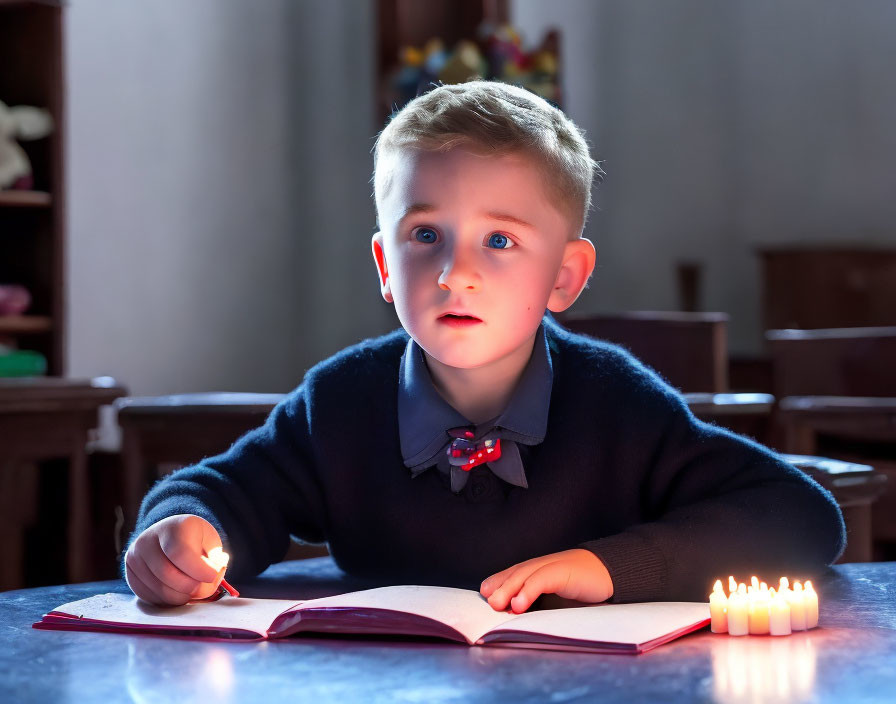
point(850, 657)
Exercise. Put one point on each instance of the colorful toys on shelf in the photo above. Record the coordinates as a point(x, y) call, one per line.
point(496, 54)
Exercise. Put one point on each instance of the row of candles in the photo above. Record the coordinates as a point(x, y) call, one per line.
point(756, 609)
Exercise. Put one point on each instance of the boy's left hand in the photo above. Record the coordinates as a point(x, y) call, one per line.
point(576, 574)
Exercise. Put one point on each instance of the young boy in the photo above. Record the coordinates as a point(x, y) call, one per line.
point(590, 479)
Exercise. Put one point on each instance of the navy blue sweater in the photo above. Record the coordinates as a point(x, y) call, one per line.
point(667, 502)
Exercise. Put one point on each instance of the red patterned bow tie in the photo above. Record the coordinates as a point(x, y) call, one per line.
point(466, 454)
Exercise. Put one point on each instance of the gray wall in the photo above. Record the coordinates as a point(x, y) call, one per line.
point(726, 126)
point(219, 164)
point(218, 187)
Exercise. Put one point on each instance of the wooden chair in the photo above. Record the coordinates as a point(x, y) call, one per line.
point(828, 287)
point(834, 362)
point(690, 350)
point(162, 433)
point(837, 391)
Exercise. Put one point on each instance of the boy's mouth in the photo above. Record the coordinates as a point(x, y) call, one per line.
point(457, 320)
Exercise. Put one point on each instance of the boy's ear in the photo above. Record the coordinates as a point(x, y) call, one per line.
point(379, 257)
point(578, 263)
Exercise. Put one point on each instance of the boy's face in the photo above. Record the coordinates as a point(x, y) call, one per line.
point(472, 251)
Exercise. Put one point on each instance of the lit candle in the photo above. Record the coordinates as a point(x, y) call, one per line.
point(217, 559)
point(810, 599)
point(758, 610)
point(738, 612)
point(797, 608)
point(718, 609)
point(779, 615)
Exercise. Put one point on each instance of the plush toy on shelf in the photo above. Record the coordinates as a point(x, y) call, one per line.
point(20, 122)
point(14, 299)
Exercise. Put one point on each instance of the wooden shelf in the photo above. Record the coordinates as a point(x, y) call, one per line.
point(21, 324)
point(25, 199)
point(32, 222)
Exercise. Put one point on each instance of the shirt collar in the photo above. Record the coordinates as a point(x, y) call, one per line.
point(424, 416)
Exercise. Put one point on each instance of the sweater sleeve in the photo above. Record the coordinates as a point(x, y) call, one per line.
point(715, 503)
point(257, 494)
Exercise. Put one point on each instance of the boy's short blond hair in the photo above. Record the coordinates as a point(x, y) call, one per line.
point(490, 117)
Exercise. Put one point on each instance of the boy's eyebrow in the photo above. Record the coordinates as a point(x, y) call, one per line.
point(492, 215)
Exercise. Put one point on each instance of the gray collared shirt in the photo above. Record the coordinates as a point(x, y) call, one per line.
point(424, 417)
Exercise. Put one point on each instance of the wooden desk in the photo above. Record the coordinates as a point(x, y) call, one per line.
point(856, 427)
point(848, 658)
point(42, 419)
point(746, 413)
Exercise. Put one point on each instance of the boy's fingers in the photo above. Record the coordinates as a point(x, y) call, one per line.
point(162, 592)
point(139, 588)
point(186, 557)
point(206, 589)
point(500, 598)
point(147, 560)
point(167, 572)
point(548, 579)
point(491, 583)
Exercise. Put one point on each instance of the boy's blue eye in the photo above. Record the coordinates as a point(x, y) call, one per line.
point(425, 235)
point(498, 241)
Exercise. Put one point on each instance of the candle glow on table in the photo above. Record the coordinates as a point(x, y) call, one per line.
point(758, 610)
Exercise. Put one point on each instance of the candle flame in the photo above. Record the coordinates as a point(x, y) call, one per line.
point(784, 583)
point(217, 559)
point(732, 585)
point(717, 587)
point(742, 589)
point(754, 582)
point(797, 587)
point(808, 586)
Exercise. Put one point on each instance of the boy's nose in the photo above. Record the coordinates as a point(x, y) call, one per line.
point(459, 274)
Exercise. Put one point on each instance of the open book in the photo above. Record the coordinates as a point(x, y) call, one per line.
point(442, 612)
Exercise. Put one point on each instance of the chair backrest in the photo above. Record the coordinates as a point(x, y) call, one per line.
point(834, 362)
point(828, 287)
point(690, 350)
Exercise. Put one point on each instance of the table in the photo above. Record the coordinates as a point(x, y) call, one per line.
point(851, 657)
point(45, 418)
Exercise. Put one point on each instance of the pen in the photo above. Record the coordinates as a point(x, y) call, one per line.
point(228, 588)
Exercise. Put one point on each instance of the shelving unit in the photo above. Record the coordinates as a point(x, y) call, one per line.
point(32, 223)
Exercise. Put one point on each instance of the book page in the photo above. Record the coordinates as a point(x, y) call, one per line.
point(464, 610)
point(225, 614)
point(632, 624)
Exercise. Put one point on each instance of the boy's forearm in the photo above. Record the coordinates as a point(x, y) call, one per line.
point(779, 528)
point(255, 495)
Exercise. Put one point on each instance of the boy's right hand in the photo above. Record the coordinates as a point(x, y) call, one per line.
point(164, 564)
